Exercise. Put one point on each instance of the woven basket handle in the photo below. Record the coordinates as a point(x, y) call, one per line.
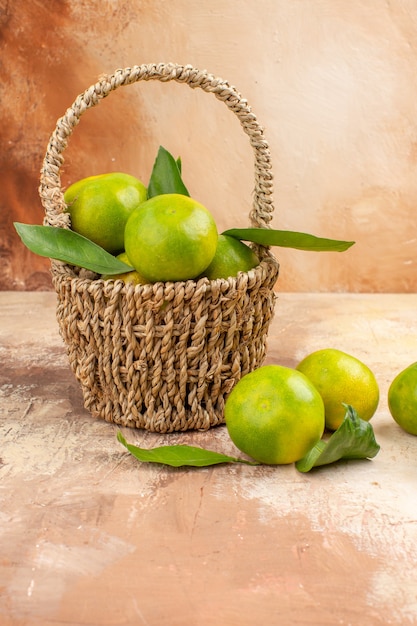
point(50, 184)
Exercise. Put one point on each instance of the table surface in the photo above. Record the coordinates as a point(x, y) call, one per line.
point(89, 536)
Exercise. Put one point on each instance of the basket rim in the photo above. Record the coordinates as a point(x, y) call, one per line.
point(87, 280)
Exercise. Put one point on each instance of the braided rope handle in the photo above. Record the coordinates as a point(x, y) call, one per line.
point(50, 183)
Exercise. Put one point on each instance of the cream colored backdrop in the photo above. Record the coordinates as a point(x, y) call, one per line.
point(333, 82)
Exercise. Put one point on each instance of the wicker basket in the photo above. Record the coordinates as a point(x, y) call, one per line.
point(162, 357)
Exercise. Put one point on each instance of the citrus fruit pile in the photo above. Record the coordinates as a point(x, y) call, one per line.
point(167, 237)
point(118, 226)
point(276, 414)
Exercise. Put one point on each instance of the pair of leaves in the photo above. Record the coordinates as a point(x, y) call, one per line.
point(354, 439)
point(166, 175)
point(66, 245)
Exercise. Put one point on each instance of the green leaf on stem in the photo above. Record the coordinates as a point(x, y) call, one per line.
point(288, 239)
point(180, 455)
point(68, 246)
point(166, 175)
point(354, 439)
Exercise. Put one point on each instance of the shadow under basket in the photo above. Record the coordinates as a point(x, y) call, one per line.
point(162, 357)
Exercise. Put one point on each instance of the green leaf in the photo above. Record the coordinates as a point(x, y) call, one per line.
point(166, 175)
point(68, 246)
point(354, 439)
point(180, 455)
point(289, 239)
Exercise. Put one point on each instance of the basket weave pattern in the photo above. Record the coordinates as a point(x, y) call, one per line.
point(164, 356)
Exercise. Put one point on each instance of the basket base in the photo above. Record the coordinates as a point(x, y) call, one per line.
point(164, 357)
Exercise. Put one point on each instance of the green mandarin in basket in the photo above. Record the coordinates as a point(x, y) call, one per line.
point(170, 237)
point(100, 206)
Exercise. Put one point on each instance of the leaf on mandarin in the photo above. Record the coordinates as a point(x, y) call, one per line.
point(66, 245)
point(354, 439)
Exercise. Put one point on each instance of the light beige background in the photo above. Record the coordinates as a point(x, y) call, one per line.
point(332, 81)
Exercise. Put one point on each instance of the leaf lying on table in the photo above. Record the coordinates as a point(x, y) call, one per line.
point(354, 439)
point(166, 175)
point(68, 246)
point(180, 455)
point(288, 239)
